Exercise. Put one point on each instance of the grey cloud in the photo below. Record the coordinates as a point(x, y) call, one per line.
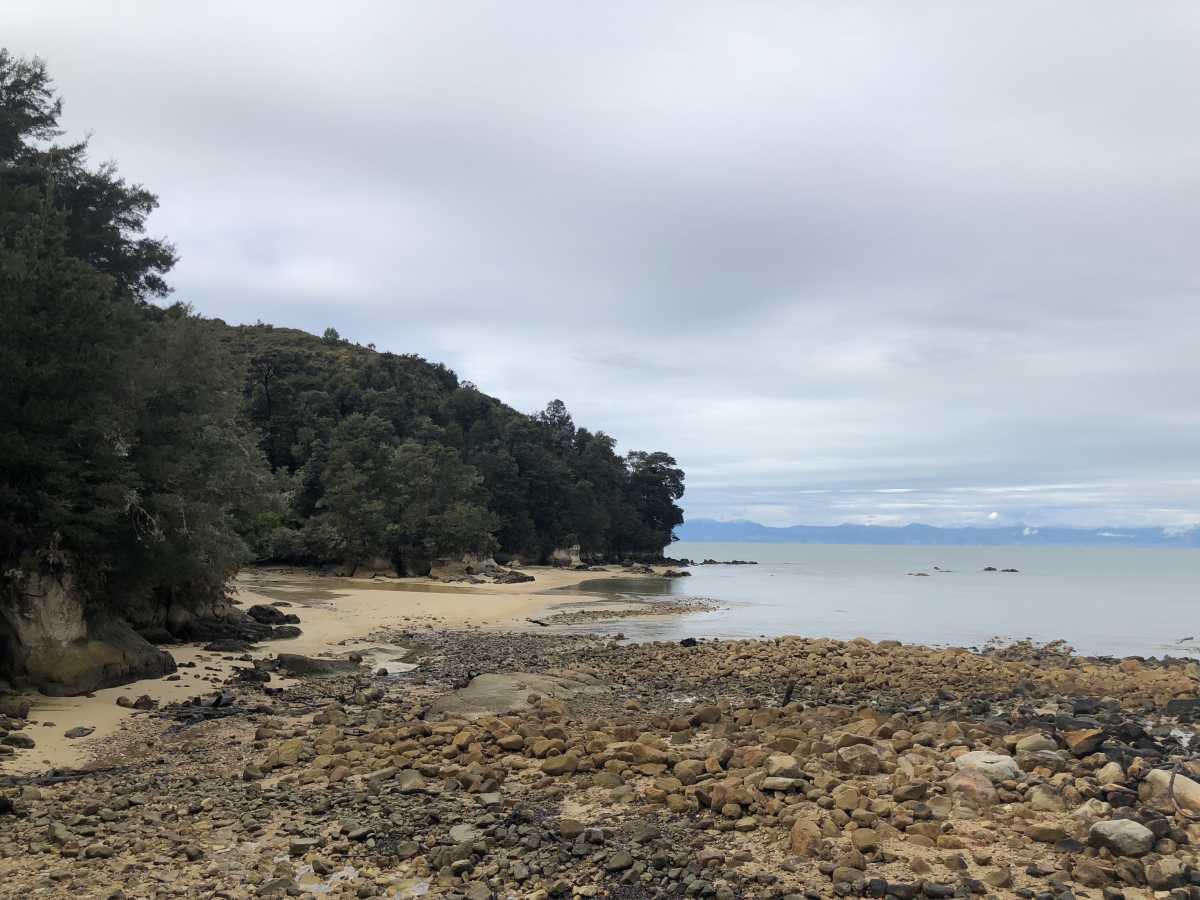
point(820, 252)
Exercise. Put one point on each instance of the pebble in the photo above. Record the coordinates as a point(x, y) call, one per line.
point(666, 771)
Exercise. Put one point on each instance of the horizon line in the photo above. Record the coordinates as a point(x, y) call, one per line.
point(980, 526)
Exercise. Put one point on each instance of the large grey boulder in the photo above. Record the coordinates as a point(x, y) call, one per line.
point(1124, 837)
point(295, 664)
point(499, 694)
point(995, 766)
point(1034, 742)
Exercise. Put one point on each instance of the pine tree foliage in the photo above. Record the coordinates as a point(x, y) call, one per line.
point(151, 451)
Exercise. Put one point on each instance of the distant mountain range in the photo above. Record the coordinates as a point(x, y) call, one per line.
point(743, 532)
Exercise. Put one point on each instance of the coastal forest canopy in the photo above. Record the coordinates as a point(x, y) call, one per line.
point(146, 452)
point(386, 456)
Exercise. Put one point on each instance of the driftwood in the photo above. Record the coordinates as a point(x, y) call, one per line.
point(59, 776)
point(787, 694)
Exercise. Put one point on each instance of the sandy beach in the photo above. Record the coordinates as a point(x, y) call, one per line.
point(337, 616)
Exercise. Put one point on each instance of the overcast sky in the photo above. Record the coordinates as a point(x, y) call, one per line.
point(848, 262)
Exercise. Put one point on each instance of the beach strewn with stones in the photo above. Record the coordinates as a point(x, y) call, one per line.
point(396, 545)
point(543, 764)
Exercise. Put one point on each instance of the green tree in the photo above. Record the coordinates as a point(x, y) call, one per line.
point(438, 511)
point(655, 483)
point(124, 459)
point(358, 490)
point(199, 473)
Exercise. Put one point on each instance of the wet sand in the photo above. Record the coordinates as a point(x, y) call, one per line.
point(337, 615)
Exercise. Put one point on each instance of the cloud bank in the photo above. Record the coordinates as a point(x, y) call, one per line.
point(861, 262)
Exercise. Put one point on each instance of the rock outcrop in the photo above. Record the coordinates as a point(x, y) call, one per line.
point(567, 557)
point(52, 641)
point(58, 640)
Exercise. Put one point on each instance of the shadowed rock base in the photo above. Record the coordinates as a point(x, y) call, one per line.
point(111, 654)
point(48, 641)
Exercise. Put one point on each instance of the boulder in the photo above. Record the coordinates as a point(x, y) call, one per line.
point(1054, 760)
point(14, 707)
point(229, 645)
point(1034, 742)
point(972, 787)
point(513, 577)
point(1111, 773)
point(1046, 832)
point(846, 797)
point(287, 753)
point(410, 781)
point(110, 654)
point(1166, 874)
point(1154, 791)
point(911, 790)
point(1045, 798)
point(266, 614)
point(564, 764)
point(500, 694)
point(859, 759)
point(295, 664)
point(1122, 837)
point(782, 765)
point(995, 766)
point(1083, 741)
point(1182, 706)
point(805, 838)
point(773, 783)
point(1090, 873)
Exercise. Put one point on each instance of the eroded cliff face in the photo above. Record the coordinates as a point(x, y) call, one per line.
point(52, 641)
point(165, 617)
point(569, 557)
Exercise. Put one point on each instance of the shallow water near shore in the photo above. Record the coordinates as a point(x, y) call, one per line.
point(1101, 601)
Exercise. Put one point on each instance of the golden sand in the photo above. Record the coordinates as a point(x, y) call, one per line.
point(336, 615)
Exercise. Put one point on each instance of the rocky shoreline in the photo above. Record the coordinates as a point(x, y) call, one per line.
point(557, 765)
point(629, 608)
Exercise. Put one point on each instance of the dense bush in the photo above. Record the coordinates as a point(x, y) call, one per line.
point(390, 457)
point(149, 451)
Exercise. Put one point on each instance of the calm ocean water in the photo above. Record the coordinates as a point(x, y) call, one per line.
point(1101, 601)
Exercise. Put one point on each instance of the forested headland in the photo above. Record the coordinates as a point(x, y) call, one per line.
point(146, 452)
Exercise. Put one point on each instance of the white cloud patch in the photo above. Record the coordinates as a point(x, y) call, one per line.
point(815, 252)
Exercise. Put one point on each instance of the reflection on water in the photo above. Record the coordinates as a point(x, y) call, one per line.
point(1101, 601)
point(618, 588)
point(314, 590)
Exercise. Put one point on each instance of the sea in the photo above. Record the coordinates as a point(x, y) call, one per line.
point(1101, 601)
